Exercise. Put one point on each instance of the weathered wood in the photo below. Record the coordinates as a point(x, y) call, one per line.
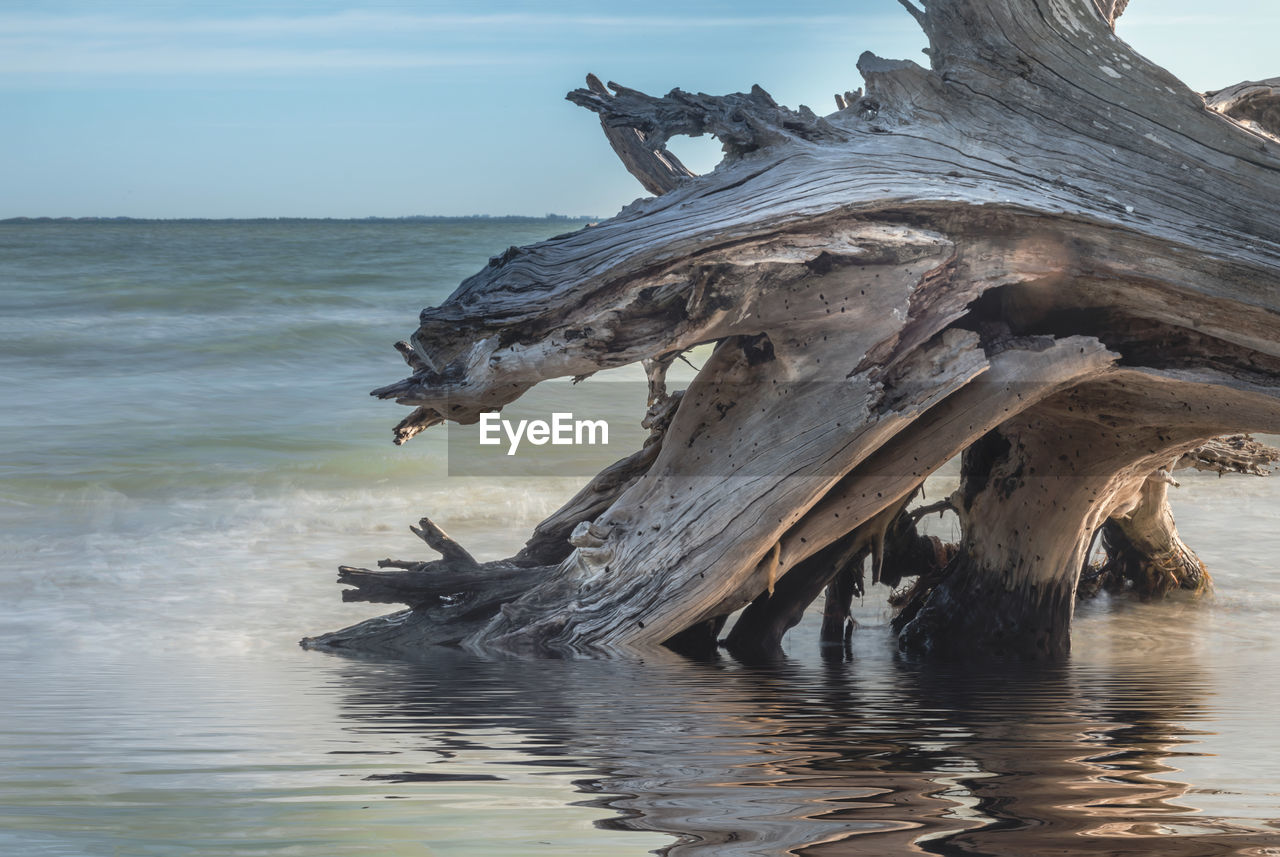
point(550, 541)
point(1111, 9)
point(837, 605)
point(448, 598)
point(1145, 551)
point(1035, 490)
point(1234, 454)
point(652, 165)
point(702, 524)
point(439, 541)
point(1026, 532)
point(1255, 104)
point(429, 583)
point(757, 635)
point(1043, 251)
point(743, 122)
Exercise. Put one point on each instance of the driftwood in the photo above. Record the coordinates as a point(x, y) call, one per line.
point(1254, 104)
point(1143, 551)
point(1043, 252)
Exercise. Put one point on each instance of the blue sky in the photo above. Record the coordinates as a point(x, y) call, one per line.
point(336, 109)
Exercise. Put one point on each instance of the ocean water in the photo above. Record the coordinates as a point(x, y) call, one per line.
point(188, 450)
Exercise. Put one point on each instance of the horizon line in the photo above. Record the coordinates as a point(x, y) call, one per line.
point(94, 217)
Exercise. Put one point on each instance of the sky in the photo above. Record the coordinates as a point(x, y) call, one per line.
point(153, 108)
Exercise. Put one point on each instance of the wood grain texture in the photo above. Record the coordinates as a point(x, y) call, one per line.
point(1042, 238)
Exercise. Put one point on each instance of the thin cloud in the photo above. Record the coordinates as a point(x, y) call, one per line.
point(348, 22)
point(44, 45)
point(231, 61)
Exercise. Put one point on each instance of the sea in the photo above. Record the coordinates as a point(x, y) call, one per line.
point(188, 451)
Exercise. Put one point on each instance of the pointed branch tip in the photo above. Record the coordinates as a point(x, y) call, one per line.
point(440, 541)
point(1111, 10)
point(916, 12)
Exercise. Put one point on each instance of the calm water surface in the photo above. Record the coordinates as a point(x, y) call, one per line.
point(187, 452)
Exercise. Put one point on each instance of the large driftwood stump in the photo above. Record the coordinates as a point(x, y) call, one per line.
point(1042, 252)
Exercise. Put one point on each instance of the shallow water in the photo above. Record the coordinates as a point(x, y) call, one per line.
point(187, 452)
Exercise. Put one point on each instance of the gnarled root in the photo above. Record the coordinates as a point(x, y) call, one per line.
point(1145, 552)
point(1031, 495)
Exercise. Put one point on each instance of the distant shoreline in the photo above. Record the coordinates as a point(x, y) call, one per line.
point(413, 218)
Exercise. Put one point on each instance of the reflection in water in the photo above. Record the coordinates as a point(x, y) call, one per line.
point(869, 756)
point(162, 560)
